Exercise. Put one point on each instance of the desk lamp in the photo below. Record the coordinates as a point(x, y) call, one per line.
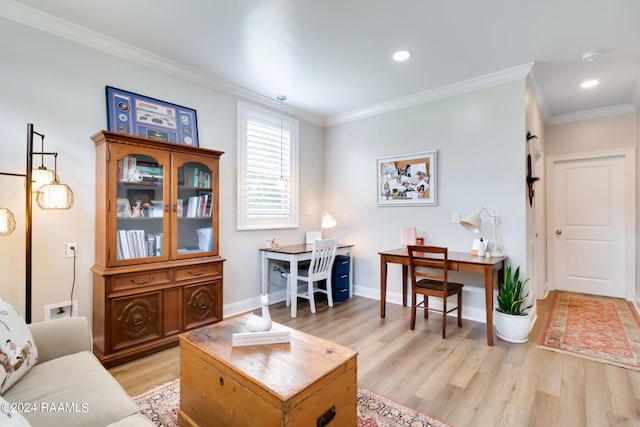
point(328, 221)
point(474, 222)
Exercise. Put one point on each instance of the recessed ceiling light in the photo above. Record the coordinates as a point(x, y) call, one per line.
point(589, 83)
point(401, 55)
point(590, 55)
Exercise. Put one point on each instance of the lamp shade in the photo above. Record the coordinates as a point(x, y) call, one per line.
point(7, 222)
point(328, 221)
point(472, 222)
point(55, 196)
point(40, 177)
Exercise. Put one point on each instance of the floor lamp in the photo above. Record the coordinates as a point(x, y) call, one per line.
point(50, 194)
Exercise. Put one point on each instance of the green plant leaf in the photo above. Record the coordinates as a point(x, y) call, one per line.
point(512, 293)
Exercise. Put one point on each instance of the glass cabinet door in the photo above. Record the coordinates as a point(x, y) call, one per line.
point(195, 206)
point(141, 206)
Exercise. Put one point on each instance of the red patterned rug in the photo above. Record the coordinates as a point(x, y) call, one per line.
point(160, 405)
point(597, 328)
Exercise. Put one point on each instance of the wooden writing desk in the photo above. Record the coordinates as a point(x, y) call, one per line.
point(293, 254)
point(458, 261)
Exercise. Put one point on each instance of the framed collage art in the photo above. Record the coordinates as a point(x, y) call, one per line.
point(409, 179)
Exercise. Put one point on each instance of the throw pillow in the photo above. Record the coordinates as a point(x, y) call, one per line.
point(10, 415)
point(18, 351)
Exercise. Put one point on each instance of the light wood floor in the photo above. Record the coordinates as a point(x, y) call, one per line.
point(460, 380)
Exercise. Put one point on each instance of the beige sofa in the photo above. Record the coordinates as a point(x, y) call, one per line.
point(68, 386)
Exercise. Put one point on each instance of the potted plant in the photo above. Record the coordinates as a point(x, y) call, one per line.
point(512, 317)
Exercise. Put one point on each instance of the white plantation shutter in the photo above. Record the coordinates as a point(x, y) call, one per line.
point(263, 200)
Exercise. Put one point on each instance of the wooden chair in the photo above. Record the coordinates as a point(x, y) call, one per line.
point(428, 266)
point(320, 268)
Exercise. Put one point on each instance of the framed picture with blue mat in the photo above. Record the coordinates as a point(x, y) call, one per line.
point(147, 117)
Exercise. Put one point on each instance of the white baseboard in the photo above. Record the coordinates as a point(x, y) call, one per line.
point(468, 312)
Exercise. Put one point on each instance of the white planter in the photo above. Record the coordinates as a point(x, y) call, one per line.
point(512, 328)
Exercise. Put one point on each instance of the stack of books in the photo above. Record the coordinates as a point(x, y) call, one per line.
point(199, 206)
point(196, 177)
point(137, 244)
point(130, 169)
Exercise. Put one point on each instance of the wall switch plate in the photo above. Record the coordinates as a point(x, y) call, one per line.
point(70, 252)
point(455, 217)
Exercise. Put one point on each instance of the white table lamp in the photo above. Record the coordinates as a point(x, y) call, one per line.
point(328, 221)
point(474, 222)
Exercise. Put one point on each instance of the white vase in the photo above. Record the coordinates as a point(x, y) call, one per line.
point(512, 328)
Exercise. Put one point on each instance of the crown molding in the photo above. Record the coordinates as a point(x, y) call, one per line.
point(465, 86)
point(28, 16)
point(613, 110)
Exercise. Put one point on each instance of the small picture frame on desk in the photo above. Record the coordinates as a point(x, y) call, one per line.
point(408, 179)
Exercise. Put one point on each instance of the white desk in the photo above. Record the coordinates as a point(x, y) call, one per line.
point(293, 254)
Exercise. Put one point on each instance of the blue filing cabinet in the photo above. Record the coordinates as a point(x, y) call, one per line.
point(340, 278)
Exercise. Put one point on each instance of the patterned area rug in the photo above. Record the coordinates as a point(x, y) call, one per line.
point(160, 405)
point(597, 328)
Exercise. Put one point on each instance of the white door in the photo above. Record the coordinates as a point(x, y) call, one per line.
point(588, 230)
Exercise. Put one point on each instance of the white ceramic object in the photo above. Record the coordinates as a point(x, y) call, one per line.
point(512, 328)
point(257, 323)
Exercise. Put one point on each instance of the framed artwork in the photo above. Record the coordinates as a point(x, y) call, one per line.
point(138, 115)
point(143, 196)
point(408, 179)
point(123, 208)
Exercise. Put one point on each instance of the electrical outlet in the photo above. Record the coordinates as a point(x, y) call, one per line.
point(455, 217)
point(72, 250)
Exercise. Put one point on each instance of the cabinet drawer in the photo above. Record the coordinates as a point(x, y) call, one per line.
point(147, 278)
point(201, 304)
point(135, 319)
point(341, 264)
point(212, 269)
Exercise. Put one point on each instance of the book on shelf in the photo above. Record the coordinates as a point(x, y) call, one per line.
point(138, 244)
point(180, 208)
point(196, 177)
point(199, 206)
point(130, 169)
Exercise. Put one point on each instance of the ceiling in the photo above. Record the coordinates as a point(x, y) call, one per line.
point(332, 58)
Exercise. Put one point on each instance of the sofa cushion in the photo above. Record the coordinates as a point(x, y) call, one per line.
point(18, 352)
point(137, 420)
point(73, 390)
point(10, 415)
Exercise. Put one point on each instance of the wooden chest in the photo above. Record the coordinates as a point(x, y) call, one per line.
point(307, 382)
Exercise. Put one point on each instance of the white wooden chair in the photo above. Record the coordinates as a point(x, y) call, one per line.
point(320, 268)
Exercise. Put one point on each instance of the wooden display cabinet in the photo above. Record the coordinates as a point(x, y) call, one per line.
point(157, 269)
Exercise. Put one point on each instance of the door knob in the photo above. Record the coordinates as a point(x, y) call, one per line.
point(558, 232)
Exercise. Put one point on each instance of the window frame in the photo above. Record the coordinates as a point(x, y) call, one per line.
point(245, 110)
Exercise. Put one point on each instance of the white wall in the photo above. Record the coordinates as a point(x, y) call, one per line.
point(479, 137)
point(60, 87)
point(536, 213)
point(600, 134)
point(584, 136)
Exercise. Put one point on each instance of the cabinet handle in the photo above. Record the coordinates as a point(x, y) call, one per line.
point(143, 282)
point(137, 320)
point(166, 208)
point(202, 304)
point(175, 207)
point(198, 273)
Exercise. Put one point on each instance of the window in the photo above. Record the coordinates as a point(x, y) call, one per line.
point(267, 169)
